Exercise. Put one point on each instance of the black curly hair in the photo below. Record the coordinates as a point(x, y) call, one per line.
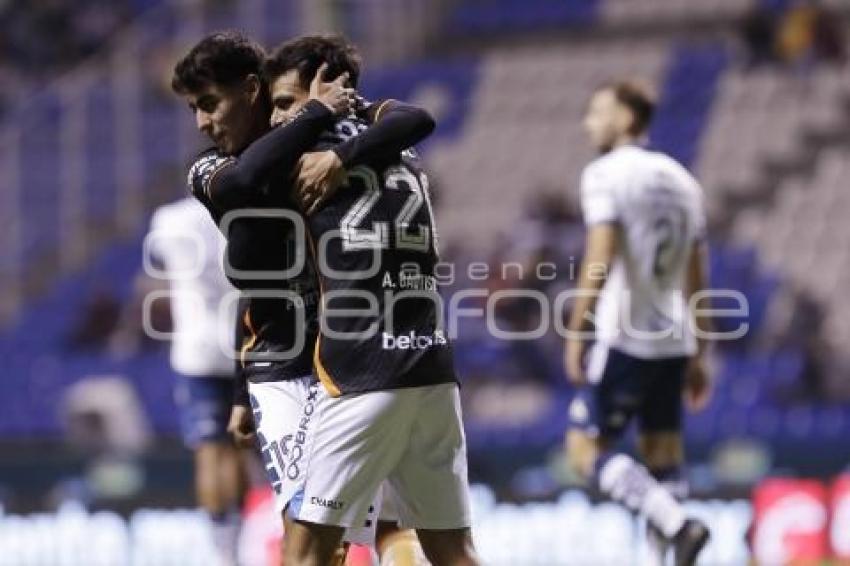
point(307, 53)
point(223, 58)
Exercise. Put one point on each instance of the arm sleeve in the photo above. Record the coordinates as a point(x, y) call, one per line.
point(598, 199)
point(202, 170)
point(234, 181)
point(396, 127)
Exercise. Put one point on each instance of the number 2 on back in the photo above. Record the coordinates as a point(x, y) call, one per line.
point(409, 236)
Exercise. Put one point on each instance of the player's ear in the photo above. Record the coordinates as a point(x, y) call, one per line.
point(625, 120)
point(253, 86)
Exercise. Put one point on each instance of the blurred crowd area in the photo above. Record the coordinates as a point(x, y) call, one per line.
point(753, 98)
point(797, 34)
point(42, 39)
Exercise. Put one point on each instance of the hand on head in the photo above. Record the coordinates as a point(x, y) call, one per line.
point(333, 94)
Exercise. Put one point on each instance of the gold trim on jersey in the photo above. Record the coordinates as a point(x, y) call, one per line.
point(247, 344)
point(381, 109)
point(321, 372)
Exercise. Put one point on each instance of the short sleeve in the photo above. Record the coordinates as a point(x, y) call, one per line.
point(203, 170)
point(700, 223)
point(154, 243)
point(598, 198)
point(693, 188)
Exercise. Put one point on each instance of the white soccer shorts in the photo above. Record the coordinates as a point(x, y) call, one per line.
point(413, 438)
point(285, 416)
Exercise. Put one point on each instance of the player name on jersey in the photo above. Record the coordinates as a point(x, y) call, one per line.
point(382, 219)
point(411, 281)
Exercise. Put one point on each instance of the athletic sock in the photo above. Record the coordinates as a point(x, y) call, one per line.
point(670, 479)
point(225, 531)
point(657, 547)
point(630, 484)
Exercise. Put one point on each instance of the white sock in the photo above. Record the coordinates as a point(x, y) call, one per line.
point(630, 484)
point(225, 532)
point(656, 545)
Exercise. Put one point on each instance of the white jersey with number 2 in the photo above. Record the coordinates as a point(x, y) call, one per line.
point(658, 207)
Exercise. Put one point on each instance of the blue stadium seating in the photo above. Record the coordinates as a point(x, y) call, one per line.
point(748, 398)
point(480, 17)
point(685, 100)
point(456, 77)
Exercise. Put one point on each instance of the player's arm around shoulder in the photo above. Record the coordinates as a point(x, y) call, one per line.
point(204, 168)
point(238, 181)
point(394, 127)
point(407, 123)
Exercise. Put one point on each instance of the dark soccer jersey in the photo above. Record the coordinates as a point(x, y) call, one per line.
point(405, 348)
point(374, 245)
point(280, 320)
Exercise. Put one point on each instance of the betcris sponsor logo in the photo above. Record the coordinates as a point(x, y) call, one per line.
point(413, 340)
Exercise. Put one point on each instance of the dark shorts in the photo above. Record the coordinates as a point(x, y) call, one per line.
point(204, 404)
point(628, 387)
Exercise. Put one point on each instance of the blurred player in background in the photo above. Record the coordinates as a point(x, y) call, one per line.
point(186, 244)
point(390, 410)
point(643, 262)
point(221, 80)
